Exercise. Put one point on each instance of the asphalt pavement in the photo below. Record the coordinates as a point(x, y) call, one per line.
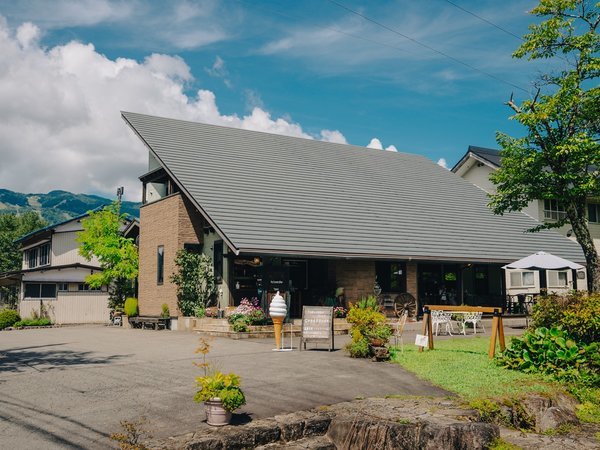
point(69, 387)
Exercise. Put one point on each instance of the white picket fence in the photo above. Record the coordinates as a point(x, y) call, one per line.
point(70, 307)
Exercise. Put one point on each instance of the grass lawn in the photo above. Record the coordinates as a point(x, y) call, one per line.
point(462, 366)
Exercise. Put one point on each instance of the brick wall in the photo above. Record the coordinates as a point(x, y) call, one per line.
point(170, 222)
point(411, 279)
point(357, 277)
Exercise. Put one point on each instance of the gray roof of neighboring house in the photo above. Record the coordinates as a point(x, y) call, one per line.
point(489, 154)
point(267, 193)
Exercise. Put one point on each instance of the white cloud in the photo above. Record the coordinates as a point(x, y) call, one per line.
point(376, 143)
point(60, 126)
point(218, 70)
point(442, 162)
point(333, 136)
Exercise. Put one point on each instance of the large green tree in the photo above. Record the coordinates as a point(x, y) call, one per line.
point(12, 227)
point(118, 257)
point(559, 158)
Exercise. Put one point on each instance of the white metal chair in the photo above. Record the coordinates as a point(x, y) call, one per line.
point(474, 318)
point(441, 318)
point(399, 330)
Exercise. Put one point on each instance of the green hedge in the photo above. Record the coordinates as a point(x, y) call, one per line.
point(43, 322)
point(8, 317)
point(577, 313)
point(131, 307)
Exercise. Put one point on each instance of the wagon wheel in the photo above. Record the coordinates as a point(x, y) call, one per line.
point(406, 302)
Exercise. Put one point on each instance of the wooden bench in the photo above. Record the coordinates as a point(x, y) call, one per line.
point(146, 322)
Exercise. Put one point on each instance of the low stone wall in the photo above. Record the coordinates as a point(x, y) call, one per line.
point(222, 328)
point(409, 423)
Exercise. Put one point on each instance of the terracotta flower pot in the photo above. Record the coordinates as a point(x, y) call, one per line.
point(375, 342)
point(216, 415)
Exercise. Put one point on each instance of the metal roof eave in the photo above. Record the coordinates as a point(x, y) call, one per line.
point(190, 197)
point(370, 256)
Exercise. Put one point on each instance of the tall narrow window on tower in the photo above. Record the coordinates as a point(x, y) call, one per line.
point(160, 264)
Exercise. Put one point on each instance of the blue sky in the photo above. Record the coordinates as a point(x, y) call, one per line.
point(309, 68)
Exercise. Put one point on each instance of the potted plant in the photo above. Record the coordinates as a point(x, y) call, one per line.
point(221, 394)
point(379, 335)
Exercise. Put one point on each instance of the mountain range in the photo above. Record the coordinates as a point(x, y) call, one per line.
point(57, 206)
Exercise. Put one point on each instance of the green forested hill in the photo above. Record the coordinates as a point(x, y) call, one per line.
point(57, 206)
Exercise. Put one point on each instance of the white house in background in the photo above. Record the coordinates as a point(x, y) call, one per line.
point(53, 275)
point(476, 166)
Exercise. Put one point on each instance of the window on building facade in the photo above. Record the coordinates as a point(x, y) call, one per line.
point(40, 290)
point(522, 279)
point(32, 258)
point(87, 287)
point(63, 286)
point(594, 212)
point(160, 264)
point(218, 260)
point(553, 210)
point(391, 276)
point(557, 278)
point(38, 256)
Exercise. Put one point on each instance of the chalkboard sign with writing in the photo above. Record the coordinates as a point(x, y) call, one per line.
point(317, 325)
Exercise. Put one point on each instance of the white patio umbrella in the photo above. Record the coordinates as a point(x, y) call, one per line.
point(543, 261)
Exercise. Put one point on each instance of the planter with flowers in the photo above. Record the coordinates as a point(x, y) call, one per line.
point(220, 392)
point(247, 314)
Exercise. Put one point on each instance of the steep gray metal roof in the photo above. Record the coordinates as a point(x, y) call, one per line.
point(277, 194)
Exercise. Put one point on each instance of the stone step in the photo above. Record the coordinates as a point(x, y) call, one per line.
point(312, 443)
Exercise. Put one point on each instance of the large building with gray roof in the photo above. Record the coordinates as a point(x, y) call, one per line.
point(319, 216)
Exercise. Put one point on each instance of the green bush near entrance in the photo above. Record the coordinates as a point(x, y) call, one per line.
point(8, 317)
point(131, 307)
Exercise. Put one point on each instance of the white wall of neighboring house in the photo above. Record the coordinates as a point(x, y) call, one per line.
point(479, 173)
point(70, 307)
point(72, 302)
point(551, 281)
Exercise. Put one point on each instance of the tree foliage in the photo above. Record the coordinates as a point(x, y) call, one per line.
point(117, 255)
point(559, 158)
point(195, 281)
point(12, 227)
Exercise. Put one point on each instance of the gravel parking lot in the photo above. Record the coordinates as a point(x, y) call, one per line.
point(69, 387)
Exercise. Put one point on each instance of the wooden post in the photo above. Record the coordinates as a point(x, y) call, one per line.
point(495, 332)
point(427, 328)
point(501, 333)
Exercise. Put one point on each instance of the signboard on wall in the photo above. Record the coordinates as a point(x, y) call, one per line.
point(317, 326)
point(276, 278)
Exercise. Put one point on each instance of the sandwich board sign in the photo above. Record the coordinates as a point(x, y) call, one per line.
point(317, 326)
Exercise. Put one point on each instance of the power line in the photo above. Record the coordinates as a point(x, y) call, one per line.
point(485, 20)
point(428, 47)
point(335, 30)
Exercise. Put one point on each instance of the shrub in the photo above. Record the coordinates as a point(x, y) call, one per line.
point(366, 320)
point(577, 313)
point(380, 331)
point(553, 352)
point(248, 312)
point(131, 307)
point(195, 281)
point(8, 317)
point(222, 386)
point(358, 349)
point(239, 326)
point(43, 322)
point(339, 312)
point(165, 314)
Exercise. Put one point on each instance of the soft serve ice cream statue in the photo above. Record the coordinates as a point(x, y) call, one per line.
point(278, 311)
